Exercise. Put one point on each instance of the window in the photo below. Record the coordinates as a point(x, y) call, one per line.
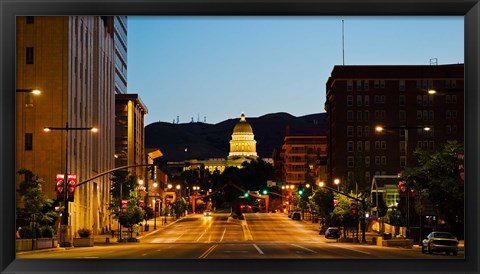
point(359, 84)
point(377, 99)
point(367, 161)
point(419, 144)
point(382, 99)
point(401, 85)
point(425, 115)
point(367, 131)
point(359, 115)
point(28, 141)
point(30, 19)
point(448, 99)
point(402, 146)
point(377, 160)
point(454, 99)
point(419, 115)
point(383, 144)
point(402, 115)
point(350, 131)
point(367, 146)
point(454, 114)
point(402, 161)
point(430, 115)
point(350, 146)
point(350, 161)
point(377, 83)
point(349, 100)
point(359, 131)
point(382, 113)
point(425, 100)
point(366, 85)
point(377, 114)
point(367, 176)
point(29, 55)
point(454, 83)
point(350, 116)
point(349, 85)
point(384, 160)
point(448, 114)
point(366, 115)
point(431, 145)
point(430, 100)
point(401, 100)
point(419, 99)
point(366, 100)
point(449, 129)
point(359, 146)
point(382, 83)
point(377, 144)
point(359, 100)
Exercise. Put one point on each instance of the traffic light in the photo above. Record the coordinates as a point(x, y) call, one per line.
point(264, 192)
point(245, 195)
point(353, 207)
point(300, 192)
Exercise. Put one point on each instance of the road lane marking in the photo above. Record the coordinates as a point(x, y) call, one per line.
point(206, 253)
point(225, 230)
point(304, 248)
point(179, 237)
point(258, 249)
point(356, 250)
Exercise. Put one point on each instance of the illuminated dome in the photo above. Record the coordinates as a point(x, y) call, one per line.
point(243, 126)
point(243, 143)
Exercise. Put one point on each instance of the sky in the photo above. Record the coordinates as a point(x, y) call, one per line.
point(214, 68)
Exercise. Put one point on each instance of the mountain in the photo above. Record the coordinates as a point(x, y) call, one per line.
point(197, 140)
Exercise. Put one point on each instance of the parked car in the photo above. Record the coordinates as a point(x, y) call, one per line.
point(296, 215)
point(207, 213)
point(332, 232)
point(440, 242)
point(290, 213)
point(323, 228)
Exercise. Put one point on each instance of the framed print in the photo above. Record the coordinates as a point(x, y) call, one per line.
point(259, 63)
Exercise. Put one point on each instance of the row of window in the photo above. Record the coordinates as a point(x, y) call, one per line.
point(425, 100)
point(364, 146)
point(364, 131)
point(421, 84)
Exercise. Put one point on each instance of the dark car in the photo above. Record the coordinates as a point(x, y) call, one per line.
point(440, 242)
point(296, 215)
point(332, 232)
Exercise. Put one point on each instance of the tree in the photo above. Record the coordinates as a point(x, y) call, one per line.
point(122, 187)
point(322, 201)
point(37, 207)
point(435, 177)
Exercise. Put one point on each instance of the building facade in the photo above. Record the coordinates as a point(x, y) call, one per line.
point(71, 60)
point(120, 42)
point(360, 98)
point(130, 133)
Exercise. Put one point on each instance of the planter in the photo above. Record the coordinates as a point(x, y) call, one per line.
point(82, 242)
point(40, 243)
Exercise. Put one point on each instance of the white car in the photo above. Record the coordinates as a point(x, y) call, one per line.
point(207, 213)
point(440, 241)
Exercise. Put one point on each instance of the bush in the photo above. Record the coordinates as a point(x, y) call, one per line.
point(47, 231)
point(25, 232)
point(84, 232)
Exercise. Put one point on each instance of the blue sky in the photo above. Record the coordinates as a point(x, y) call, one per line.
point(219, 67)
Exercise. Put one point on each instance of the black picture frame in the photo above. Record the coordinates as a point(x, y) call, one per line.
point(470, 9)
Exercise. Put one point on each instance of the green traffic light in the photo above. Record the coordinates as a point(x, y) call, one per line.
point(245, 195)
point(265, 192)
point(300, 192)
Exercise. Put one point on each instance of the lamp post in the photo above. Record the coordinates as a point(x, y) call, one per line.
point(65, 178)
point(154, 214)
point(32, 91)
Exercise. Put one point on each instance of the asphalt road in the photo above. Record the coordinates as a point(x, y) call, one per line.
point(260, 235)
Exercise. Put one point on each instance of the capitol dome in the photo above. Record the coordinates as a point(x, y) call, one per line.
point(243, 142)
point(242, 126)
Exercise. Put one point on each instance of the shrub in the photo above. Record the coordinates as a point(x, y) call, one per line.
point(84, 232)
point(47, 231)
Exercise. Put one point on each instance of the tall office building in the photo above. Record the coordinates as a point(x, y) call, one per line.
point(359, 98)
point(71, 60)
point(120, 42)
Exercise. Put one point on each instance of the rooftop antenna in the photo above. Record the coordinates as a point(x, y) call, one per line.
point(177, 118)
point(198, 117)
point(204, 119)
point(433, 61)
point(343, 42)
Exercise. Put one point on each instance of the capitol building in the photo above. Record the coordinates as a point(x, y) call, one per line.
point(243, 147)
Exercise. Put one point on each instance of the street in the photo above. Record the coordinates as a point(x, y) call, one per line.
point(260, 235)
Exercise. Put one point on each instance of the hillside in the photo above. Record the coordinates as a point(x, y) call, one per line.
point(198, 140)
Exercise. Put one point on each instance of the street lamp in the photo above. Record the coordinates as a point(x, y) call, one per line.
point(154, 214)
point(32, 91)
point(337, 182)
point(65, 178)
point(380, 129)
